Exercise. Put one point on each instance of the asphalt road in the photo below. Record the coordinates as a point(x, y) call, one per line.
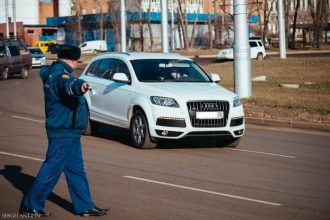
point(275, 173)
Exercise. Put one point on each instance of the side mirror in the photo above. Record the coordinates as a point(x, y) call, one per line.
point(121, 78)
point(215, 77)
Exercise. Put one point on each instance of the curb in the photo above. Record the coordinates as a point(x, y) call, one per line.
point(288, 124)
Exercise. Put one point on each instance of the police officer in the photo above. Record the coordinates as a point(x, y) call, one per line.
point(66, 118)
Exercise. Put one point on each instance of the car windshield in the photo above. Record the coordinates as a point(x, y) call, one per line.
point(168, 70)
point(35, 51)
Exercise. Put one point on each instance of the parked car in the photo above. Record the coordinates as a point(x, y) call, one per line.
point(14, 58)
point(159, 96)
point(257, 51)
point(94, 46)
point(52, 48)
point(43, 45)
point(38, 58)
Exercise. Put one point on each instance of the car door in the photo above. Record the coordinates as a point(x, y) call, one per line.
point(254, 49)
point(117, 96)
point(95, 82)
point(16, 60)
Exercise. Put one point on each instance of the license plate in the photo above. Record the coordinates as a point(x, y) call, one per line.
point(209, 115)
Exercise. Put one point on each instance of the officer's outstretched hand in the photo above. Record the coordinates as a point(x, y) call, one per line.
point(84, 87)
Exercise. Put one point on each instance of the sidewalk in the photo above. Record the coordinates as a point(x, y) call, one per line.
point(270, 53)
point(288, 124)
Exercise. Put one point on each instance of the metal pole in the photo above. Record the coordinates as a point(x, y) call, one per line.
point(172, 24)
point(281, 32)
point(7, 18)
point(123, 25)
point(14, 18)
point(242, 60)
point(164, 26)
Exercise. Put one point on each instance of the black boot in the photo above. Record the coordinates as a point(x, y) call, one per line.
point(94, 212)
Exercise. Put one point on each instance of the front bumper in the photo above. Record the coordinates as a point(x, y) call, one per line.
point(177, 123)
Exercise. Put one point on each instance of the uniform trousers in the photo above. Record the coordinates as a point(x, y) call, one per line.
point(63, 155)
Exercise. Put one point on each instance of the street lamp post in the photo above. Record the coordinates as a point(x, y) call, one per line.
point(242, 60)
point(164, 26)
point(123, 25)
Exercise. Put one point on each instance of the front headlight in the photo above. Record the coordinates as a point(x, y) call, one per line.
point(237, 101)
point(164, 101)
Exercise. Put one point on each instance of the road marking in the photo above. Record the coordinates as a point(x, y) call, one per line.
point(28, 119)
point(21, 156)
point(260, 152)
point(205, 191)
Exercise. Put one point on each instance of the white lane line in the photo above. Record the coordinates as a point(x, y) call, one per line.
point(205, 191)
point(21, 156)
point(260, 152)
point(28, 119)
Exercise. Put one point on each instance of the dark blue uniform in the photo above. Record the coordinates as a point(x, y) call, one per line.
point(66, 118)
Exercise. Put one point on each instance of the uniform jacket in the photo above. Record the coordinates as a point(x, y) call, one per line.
point(66, 109)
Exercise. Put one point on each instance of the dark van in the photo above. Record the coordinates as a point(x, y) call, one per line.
point(15, 58)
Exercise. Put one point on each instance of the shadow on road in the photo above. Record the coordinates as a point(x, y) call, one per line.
point(22, 182)
point(122, 136)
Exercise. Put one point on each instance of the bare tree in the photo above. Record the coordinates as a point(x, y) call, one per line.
point(228, 23)
point(182, 21)
point(150, 28)
point(293, 36)
point(267, 11)
point(101, 20)
point(319, 13)
point(192, 39)
point(114, 12)
point(75, 26)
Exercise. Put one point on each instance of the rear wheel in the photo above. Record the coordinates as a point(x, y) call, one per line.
point(139, 132)
point(24, 73)
point(260, 56)
point(4, 74)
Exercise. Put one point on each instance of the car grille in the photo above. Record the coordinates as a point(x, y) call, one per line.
point(171, 122)
point(208, 106)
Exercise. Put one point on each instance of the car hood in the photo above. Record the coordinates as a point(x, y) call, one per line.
point(37, 55)
point(188, 91)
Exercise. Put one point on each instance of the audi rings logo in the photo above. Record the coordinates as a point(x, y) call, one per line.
point(208, 106)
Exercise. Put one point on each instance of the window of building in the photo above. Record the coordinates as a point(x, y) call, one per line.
point(30, 31)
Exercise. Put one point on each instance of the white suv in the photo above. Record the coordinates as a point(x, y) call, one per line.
point(161, 96)
point(257, 51)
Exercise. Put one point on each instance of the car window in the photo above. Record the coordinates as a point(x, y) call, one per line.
point(166, 70)
point(92, 68)
point(260, 44)
point(120, 66)
point(3, 50)
point(35, 51)
point(253, 44)
point(105, 69)
point(14, 51)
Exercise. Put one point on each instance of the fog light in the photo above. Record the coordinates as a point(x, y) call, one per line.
point(164, 133)
point(239, 132)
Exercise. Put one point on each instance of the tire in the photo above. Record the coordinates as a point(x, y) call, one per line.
point(229, 142)
point(4, 74)
point(90, 129)
point(139, 132)
point(24, 73)
point(260, 56)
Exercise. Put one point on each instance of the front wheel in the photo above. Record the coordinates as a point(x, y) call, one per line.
point(24, 73)
point(139, 132)
point(4, 74)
